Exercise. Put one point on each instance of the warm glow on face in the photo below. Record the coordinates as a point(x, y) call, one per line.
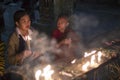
point(85, 66)
point(37, 74)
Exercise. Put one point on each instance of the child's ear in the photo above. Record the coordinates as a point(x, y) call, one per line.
point(16, 23)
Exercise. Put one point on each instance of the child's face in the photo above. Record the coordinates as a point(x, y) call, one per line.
point(62, 23)
point(24, 23)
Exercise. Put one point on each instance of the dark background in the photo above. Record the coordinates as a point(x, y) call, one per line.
point(92, 19)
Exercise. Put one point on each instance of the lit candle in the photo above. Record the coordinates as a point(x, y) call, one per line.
point(93, 62)
point(99, 56)
point(89, 54)
point(37, 74)
point(72, 62)
point(28, 42)
point(47, 73)
point(85, 66)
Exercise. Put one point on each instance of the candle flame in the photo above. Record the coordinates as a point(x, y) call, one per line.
point(88, 54)
point(92, 63)
point(85, 66)
point(73, 61)
point(37, 74)
point(99, 56)
point(67, 74)
point(28, 42)
point(92, 60)
point(29, 38)
point(47, 73)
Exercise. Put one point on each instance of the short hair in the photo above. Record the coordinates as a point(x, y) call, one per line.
point(63, 15)
point(18, 14)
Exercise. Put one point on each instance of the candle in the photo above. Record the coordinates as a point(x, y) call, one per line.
point(28, 42)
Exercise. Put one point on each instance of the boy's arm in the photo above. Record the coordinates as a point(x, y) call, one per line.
point(13, 56)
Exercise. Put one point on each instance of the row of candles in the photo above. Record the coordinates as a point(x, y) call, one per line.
point(95, 61)
point(46, 73)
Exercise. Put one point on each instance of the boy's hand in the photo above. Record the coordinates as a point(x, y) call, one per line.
point(27, 53)
point(67, 41)
point(36, 54)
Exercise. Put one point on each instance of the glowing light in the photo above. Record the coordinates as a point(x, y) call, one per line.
point(65, 73)
point(92, 60)
point(85, 66)
point(88, 54)
point(28, 42)
point(29, 38)
point(37, 74)
point(99, 56)
point(73, 61)
point(47, 73)
point(93, 63)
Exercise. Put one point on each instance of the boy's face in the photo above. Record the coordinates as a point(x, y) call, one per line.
point(24, 23)
point(62, 23)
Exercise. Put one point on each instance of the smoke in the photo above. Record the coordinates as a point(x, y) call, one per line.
point(44, 52)
point(83, 21)
point(85, 26)
point(44, 48)
point(94, 30)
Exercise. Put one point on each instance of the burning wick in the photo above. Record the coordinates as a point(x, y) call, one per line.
point(88, 54)
point(37, 74)
point(85, 66)
point(47, 73)
point(99, 56)
point(73, 61)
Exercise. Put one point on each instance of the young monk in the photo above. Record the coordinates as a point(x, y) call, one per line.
point(66, 38)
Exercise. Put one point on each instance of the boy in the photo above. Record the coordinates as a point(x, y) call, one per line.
point(67, 39)
point(19, 41)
